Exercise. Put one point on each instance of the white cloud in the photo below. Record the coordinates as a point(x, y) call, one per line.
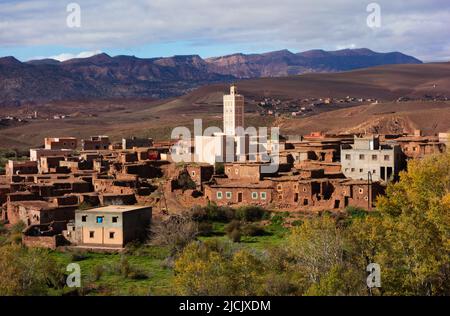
point(67, 56)
point(351, 46)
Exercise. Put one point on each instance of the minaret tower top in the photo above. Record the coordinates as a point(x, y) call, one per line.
point(233, 111)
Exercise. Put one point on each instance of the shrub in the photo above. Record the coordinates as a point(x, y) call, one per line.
point(97, 272)
point(85, 206)
point(205, 228)
point(253, 230)
point(185, 182)
point(78, 256)
point(355, 212)
point(251, 213)
point(124, 267)
point(233, 225)
point(233, 230)
point(277, 220)
point(216, 213)
point(235, 236)
point(18, 228)
point(135, 248)
point(174, 233)
point(137, 274)
point(126, 270)
point(3, 229)
point(219, 168)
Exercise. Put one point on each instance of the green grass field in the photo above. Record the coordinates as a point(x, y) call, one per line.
point(102, 275)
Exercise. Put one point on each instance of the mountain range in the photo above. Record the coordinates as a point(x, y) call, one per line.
point(102, 76)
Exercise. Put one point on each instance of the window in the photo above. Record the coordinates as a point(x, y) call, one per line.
point(362, 157)
point(361, 170)
point(374, 157)
point(228, 170)
point(263, 195)
point(115, 219)
point(386, 158)
point(99, 219)
point(229, 195)
point(348, 157)
point(84, 218)
point(91, 234)
point(361, 190)
point(353, 169)
point(219, 195)
point(279, 187)
point(111, 235)
point(193, 173)
point(254, 195)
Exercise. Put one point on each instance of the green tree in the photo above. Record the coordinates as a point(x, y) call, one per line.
point(415, 252)
point(28, 272)
point(316, 247)
point(218, 268)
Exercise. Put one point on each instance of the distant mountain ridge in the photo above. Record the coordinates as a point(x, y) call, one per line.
point(285, 63)
point(102, 76)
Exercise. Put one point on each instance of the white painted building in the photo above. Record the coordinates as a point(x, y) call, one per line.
point(233, 111)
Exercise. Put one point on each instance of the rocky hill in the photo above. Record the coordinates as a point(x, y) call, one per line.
point(103, 76)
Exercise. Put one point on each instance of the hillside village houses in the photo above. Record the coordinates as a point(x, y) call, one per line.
point(99, 194)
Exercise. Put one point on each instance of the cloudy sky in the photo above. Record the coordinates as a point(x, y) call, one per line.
point(150, 28)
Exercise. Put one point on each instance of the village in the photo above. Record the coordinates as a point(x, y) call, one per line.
point(98, 194)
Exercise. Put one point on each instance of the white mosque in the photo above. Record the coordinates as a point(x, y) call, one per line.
point(234, 143)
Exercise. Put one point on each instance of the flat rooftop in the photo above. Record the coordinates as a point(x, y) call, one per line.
point(116, 209)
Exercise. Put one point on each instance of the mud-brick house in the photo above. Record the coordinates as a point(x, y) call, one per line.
point(233, 192)
point(356, 193)
point(21, 167)
point(337, 194)
point(52, 143)
point(109, 227)
point(44, 235)
point(130, 143)
point(200, 173)
point(286, 191)
point(313, 193)
point(37, 212)
point(96, 143)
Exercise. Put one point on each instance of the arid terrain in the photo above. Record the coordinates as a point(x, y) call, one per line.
point(422, 89)
point(123, 77)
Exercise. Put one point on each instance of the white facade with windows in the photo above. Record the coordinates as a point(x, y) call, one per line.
point(367, 159)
